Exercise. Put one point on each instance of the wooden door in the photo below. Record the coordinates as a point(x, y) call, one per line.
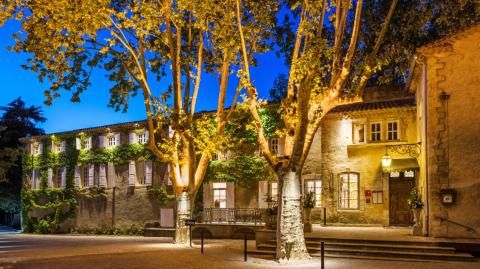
point(399, 191)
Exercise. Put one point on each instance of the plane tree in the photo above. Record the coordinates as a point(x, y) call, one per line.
point(159, 49)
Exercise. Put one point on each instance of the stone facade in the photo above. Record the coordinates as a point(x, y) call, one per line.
point(126, 203)
point(446, 83)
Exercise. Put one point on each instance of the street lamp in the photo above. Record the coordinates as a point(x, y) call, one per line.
point(386, 159)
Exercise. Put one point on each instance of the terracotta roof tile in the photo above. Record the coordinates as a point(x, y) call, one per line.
point(374, 105)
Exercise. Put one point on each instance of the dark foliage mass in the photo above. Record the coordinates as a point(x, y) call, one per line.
point(18, 120)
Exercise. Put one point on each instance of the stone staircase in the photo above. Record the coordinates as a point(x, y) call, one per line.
point(375, 249)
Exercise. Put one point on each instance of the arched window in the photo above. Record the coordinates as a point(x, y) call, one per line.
point(349, 194)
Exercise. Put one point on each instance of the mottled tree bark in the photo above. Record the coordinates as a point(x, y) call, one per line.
point(182, 231)
point(290, 237)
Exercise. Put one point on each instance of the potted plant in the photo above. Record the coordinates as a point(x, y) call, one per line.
point(308, 204)
point(416, 204)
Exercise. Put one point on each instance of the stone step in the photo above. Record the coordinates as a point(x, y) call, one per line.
point(373, 241)
point(388, 253)
point(159, 232)
point(384, 246)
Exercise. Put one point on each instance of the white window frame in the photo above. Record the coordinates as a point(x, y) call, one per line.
point(219, 194)
point(273, 145)
point(274, 191)
point(397, 131)
point(86, 143)
point(142, 138)
point(348, 192)
point(376, 132)
point(111, 141)
point(316, 188)
point(58, 146)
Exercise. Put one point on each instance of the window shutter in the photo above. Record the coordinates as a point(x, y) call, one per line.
point(91, 171)
point(147, 138)
point(78, 142)
point(50, 178)
point(64, 145)
point(117, 139)
point(101, 141)
point(63, 177)
point(207, 192)
point(281, 146)
point(148, 173)
point(131, 173)
point(90, 145)
point(102, 177)
point(33, 179)
point(32, 148)
point(77, 177)
point(262, 194)
point(230, 195)
point(132, 138)
point(40, 148)
point(169, 181)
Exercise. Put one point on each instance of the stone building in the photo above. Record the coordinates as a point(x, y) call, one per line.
point(364, 161)
point(125, 183)
point(343, 168)
point(446, 82)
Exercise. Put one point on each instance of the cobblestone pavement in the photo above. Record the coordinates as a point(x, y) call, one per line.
point(72, 252)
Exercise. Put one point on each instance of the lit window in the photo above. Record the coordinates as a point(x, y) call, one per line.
point(376, 131)
point(112, 141)
point(392, 131)
point(349, 195)
point(274, 146)
point(274, 191)
point(143, 138)
point(315, 186)
point(395, 174)
point(220, 195)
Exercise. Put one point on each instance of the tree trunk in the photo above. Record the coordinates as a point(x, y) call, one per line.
point(182, 232)
point(290, 238)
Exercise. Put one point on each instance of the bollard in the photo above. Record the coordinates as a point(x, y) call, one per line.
point(202, 242)
point(245, 247)
point(322, 253)
point(324, 216)
point(190, 226)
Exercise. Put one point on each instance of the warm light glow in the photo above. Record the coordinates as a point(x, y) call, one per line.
point(386, 160)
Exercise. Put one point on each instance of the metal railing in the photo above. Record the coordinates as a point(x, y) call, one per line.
point(234, 215)
point(468, 228)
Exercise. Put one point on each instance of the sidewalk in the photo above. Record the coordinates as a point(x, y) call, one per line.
point(8, 230)
point(378, 233)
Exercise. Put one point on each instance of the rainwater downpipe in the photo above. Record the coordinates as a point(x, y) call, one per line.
point(425, 122)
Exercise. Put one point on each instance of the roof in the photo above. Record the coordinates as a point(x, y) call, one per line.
point(408, 102)
point(96, 128)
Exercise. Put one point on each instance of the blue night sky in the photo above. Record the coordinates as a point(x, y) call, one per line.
point(92, 110)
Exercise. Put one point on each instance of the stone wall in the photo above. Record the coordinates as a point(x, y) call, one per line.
point(333, 153)
point(453, 128)
point(124, 206)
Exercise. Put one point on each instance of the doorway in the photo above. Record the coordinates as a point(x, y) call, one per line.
point(399, 191)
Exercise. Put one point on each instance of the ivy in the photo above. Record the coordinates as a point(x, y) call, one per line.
point(59, 205)
point(244, 170)
point(161, 195)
